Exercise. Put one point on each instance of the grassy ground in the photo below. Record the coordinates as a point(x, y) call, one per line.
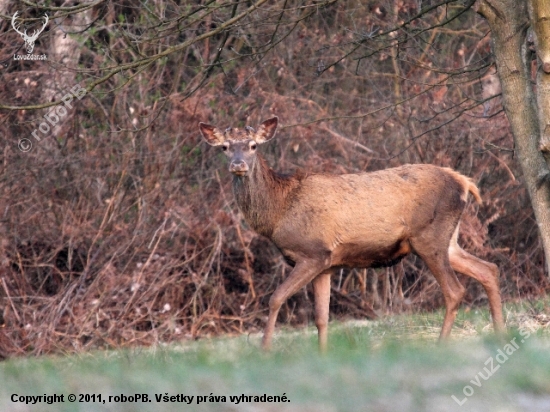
point(391, 365)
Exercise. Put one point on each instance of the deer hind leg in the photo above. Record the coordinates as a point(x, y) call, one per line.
point(303, 273)
point(321, 293)
point(437, 260)
point(484, 272)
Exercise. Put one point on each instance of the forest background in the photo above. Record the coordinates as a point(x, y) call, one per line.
point(117, 222)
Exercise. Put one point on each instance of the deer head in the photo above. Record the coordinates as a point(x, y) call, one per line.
point(29, 40)
point(240, 144)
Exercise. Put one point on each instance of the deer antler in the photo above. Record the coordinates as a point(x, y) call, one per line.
point(37, 32)
point(15, 27)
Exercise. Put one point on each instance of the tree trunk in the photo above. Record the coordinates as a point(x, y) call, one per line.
point(539, 14)
point(64, 61)
point(509, 22)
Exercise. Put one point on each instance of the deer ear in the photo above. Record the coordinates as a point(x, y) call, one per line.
point(211, 134)
point(267, 130)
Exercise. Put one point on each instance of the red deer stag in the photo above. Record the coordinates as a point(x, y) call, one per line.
point(322, 222)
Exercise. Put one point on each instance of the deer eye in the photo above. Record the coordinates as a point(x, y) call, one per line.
point(224, 148)
point(253, 146)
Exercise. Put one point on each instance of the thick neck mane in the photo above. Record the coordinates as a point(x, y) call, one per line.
point(262, 195)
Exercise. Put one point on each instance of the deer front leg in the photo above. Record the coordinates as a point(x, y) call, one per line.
point(321, 293)
point(303, 273)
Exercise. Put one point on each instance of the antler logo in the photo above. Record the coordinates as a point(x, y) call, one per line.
point(29, 40)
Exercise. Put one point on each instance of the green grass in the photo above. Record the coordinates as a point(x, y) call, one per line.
point(394, 364)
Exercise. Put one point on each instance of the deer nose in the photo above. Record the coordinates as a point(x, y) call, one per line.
point(238, 167)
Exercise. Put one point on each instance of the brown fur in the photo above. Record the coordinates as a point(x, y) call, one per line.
point(322, 222)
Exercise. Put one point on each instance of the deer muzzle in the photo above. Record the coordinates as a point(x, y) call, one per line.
point(238, 168)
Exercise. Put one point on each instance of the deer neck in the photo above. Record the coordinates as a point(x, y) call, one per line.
point(261, 196)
